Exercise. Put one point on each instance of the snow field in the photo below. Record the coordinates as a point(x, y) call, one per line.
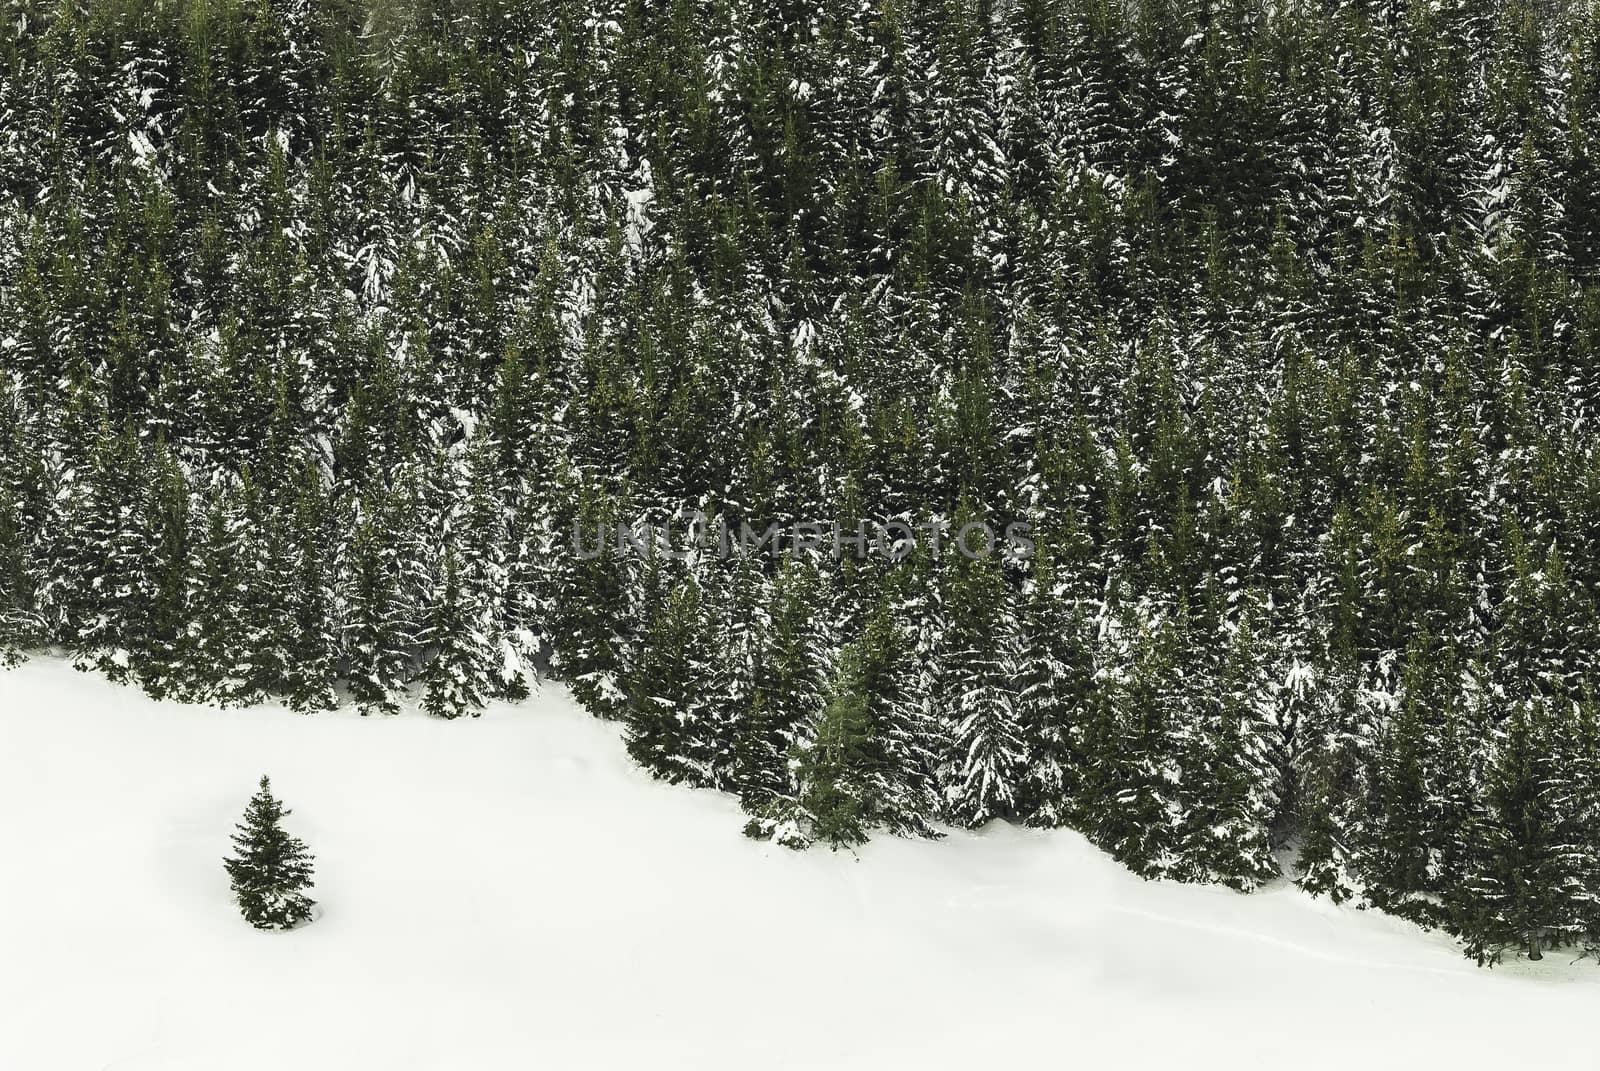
point(510, 892)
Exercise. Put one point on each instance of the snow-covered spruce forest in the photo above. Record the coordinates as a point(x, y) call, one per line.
point(324, 325)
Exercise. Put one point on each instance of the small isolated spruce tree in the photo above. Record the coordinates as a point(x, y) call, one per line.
point(270, 869)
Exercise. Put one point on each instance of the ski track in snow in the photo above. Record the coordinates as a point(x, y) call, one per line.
point(510, 892)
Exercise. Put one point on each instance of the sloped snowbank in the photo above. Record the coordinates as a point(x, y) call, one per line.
point(509, 892)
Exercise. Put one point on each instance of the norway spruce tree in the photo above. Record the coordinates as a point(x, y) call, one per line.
point(833, 763)
point(983, 768)
point(269, 870)
point(456, 672)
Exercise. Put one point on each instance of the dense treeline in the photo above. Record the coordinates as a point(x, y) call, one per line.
point(322, 326)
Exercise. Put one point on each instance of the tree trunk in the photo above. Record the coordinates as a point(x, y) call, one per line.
point(1533, 948)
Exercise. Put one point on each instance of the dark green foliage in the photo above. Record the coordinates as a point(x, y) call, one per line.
point(269, 870)
point(1529, 882)
point(787, 677)
point(1399, 849)
point(374, 639)
point(19, 627)
point(1055, 679)
point(1232, 791)
point(833, 763)
point(983, 767)
point(455, 672)
point(330, 334)
point(669, 713)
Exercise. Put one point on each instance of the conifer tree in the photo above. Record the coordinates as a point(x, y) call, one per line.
point(1325, 769)
point(788, 687)
point(374, 641)
point(1397, 855)
point(1230, 792)
point(833, 761)
point(902, 785)
point(1519, 881)
point(672, 724)
point(983, 767)
point(18, 623)
point(454, 673)
point(159, 625)
point(311, 645)
point(1129, 789)
point(1055, 677)
point(269, 870)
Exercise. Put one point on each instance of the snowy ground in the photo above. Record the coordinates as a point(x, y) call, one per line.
point(509, 892)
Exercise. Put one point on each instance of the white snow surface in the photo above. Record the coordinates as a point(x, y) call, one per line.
point(510, 892)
